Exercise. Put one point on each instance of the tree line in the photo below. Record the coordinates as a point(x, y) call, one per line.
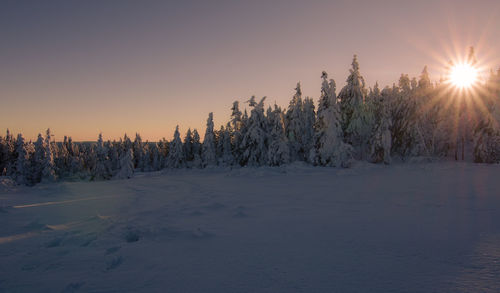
point(413, 118)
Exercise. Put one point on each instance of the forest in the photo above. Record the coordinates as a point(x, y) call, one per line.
point(412, 118)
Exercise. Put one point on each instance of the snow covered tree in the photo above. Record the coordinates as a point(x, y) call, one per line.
point(38, 159)
point(102, 168)
point(236, 123)
point(126, 165)
point(8, 154)
point(402, 108)
point(309, 118)
point(208, 148)
point(254, 143)
point(295, 125)
point(351, 98)
point(329, 149)
point(226, 157)
point(197, 161)
point(380, 146)
point(113, 155)
point(155, 158)
point(48, 166)
point(278, 153)
point(138, 149)
point(219, 144)
point(188, 146)
point(76, 166)
point(486, 143)
point(21, 172)
point(176, 157)
point(431, 133)
point(236, 116)
point(163, 147)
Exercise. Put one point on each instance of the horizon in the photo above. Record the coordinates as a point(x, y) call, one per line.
point(71, 68)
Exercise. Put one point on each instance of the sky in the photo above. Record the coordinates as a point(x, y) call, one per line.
point(85, 67)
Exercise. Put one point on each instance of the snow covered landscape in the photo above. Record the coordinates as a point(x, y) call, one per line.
point(250, 146)
point(414, 227)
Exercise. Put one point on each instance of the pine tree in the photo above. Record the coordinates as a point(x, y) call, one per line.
point(113, 155)
point(48, 167)
point(176, 157)
point(351, 98)
point(226, 158)
point(403, 112)
point(295, 125)
point(237, 127)
point(163, 147)
point(76, 161)
point(208, 148)
point(219, 144)
point(63, 159)
point(309, 118)
point(126, 165)
point(38, 159)
point(188, 147)
point(197, 161)
point(380, 147)
point(139, 153)
point(486, 142)
point(486, 139)
point(102, 168)
point(156, 160)
point(9, 154)
point(255, 141)
point(3, 156)
point(21, 172)
point(330, 149)
point(278, 153)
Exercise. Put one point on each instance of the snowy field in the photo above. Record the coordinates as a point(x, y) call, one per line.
point(432, 227)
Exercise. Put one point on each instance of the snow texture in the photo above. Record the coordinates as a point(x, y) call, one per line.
point(417, 227)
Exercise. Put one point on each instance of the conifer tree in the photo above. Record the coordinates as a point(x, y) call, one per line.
point(226, 158)
point(126, 165)
point(330, 149)
point(278, 153)
point(255, 141)
point(21, 172)
point(486, 136)
point(101, 169)
point(197, 161)
point(309, 119)
point(163, 147)
point(38, 159)
point(9, 153)
point(208, 148)
point(351, 98)
point(156, 164)
point(380, 146)
point(139, 153)
point(176, 157)
point(237, 128)
point(294, 126)
point(188, 146)
point(48, 166)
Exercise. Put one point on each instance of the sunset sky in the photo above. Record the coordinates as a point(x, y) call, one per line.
point(84, 67)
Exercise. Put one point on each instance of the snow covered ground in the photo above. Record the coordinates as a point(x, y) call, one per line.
point(429, 227)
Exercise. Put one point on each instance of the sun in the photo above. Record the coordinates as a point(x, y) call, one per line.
point(463, 75)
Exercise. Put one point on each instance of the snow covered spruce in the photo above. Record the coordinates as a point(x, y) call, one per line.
point(410, 119)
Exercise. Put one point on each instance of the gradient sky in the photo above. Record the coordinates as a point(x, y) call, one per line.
point(84, 67)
